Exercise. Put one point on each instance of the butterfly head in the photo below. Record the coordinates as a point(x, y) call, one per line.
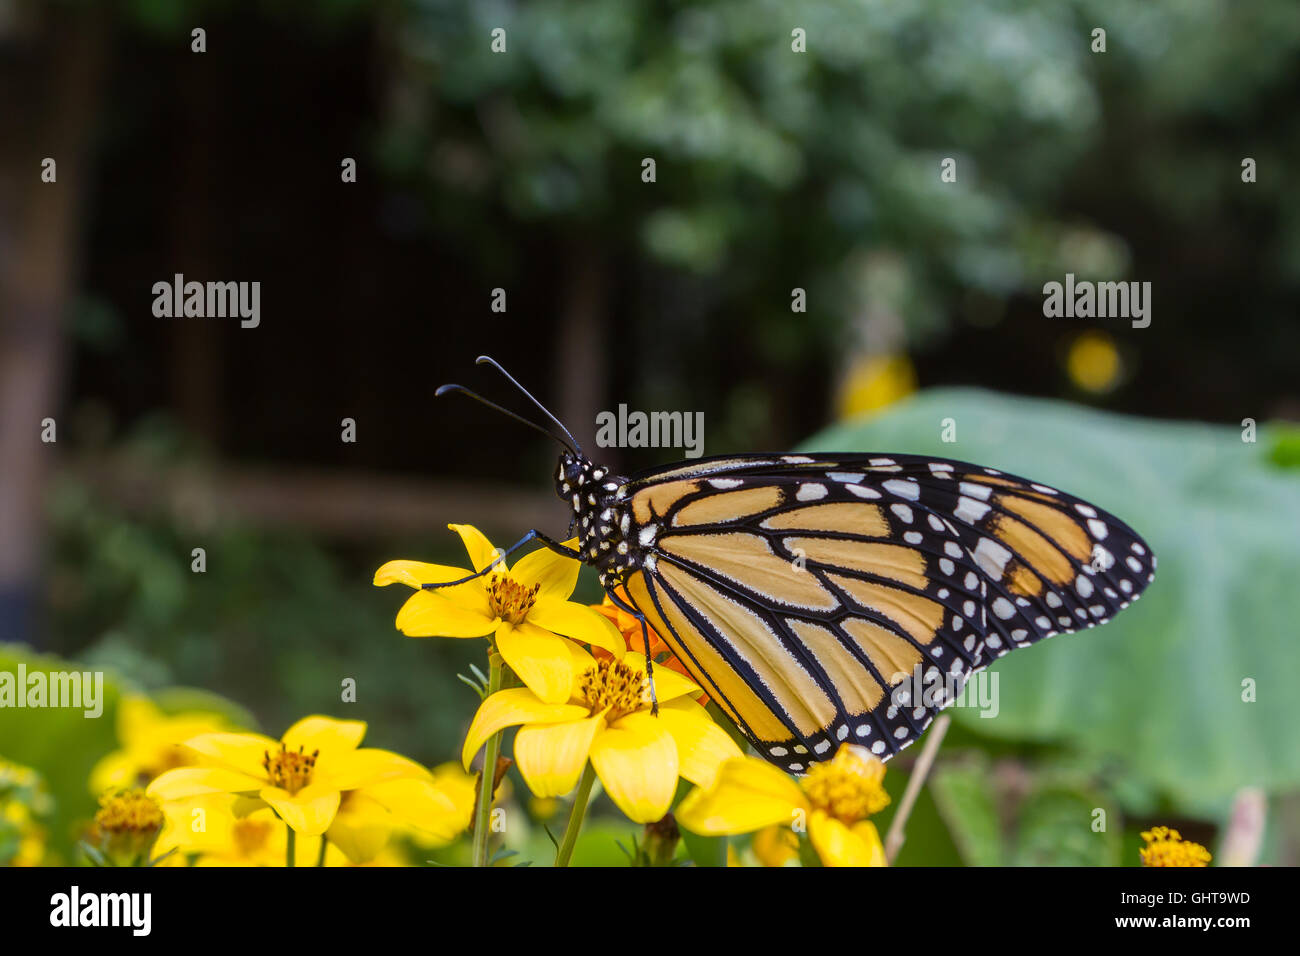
point(599, 516)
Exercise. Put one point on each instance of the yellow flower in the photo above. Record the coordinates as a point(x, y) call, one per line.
point(209, 827)
point(524, 609)
point(629, 628)
point(151, 743)
point(637, 756)
point(832, 802)
point(1166, 847)
point(127, 824)
point(874, 382)
point(302, 777)
point(1093, 362)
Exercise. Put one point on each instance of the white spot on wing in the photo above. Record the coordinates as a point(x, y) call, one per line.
point(969, 510)
point(903, 487)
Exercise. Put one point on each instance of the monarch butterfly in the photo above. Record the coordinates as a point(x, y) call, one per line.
point(803, 591)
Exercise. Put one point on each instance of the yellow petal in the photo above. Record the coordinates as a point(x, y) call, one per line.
point(423, 805)
point(556, 574)
point(362, 768)
point(335, 739)
point(636, 760)
point(539, 658)
point(551, 756)
point(360, 829)
point(310, 811)
point(776, 846)
point(669, 685)
point(415, 574)
point(244, 753)
point(747, 794)
point(472, 595)
point(838, 845)
point(430, 614)
point(115, 771)
point(136, 715)
point(506, 708)
point(184, 782)
point(481, 552)
point(578, 622)
point(702, 746)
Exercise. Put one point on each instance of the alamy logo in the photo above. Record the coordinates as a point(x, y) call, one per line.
point(1101, 300)
point(209, 300)
point(134, 910)
point(626, 429)
point(76, 689)
point(935, 689)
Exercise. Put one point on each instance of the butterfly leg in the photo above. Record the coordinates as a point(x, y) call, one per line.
point(645, 642)
point(533, 535)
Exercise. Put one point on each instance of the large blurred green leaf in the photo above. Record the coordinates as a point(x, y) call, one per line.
point(1056, 829)
point(63, 744)
point(1161, 686)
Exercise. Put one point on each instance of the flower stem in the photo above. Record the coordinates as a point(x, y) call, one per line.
point(487, 777)
point(290, 854)
point(894, 839)
point(578, 811)
point(320, 860)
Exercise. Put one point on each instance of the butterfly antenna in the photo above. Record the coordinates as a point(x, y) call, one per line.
point(488, 360)
point(444, 389)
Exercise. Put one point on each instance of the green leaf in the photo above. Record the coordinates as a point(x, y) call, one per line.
point(1057, 829)
point(966, 801)
point(1161, 686)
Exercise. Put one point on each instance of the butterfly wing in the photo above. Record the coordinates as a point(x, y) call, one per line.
point(823, 598)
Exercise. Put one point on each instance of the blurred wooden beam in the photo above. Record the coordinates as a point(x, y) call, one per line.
point(348, 505)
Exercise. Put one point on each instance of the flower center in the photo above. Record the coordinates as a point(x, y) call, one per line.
point(290, 770)
point(129, 813)
point(509, 599)
point(848, 786)
point(614, 685)
point(250, 836)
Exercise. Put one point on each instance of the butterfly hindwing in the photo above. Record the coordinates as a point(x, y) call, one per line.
point(804, 592)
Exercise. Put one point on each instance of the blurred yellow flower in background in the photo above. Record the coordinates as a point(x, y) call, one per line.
point(1093, 362)
point(150, 744)
point(302, 776)
point(524, 610)
point(638, 757)
point(832, 803)
point(25, 802)
point(874, 382)
point(1166, 847)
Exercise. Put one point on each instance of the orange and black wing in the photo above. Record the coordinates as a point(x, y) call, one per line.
point(822, 598)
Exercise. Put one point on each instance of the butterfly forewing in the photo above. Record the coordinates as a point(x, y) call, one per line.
point(807, 593)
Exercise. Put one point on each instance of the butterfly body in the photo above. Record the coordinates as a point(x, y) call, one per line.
point(823, 598)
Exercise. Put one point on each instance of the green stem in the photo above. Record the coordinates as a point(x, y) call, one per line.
point(576, 814)
point(487, 777)
point(290, 849)
point(320, 860)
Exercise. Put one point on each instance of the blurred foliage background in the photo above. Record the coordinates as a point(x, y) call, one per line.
point(775, 171)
